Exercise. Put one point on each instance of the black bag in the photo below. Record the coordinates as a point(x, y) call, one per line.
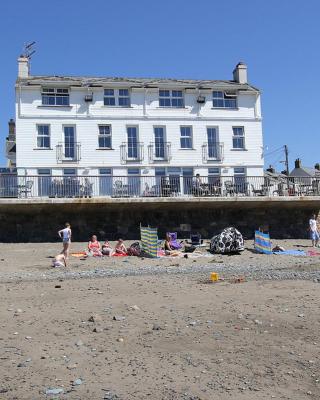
point(134, 249)
point(189, 248)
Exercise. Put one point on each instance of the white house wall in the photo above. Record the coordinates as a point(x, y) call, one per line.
point(144, 113)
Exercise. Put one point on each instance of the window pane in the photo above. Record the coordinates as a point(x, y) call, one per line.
point(104, 129)
point(239, 170)
point(109, 101)
point(217, 103)
point(124, 92)
point(164, 93)
point(105, 141)
point(217, 95)
point(124, 101)
point(109, 92)
point(176, 93)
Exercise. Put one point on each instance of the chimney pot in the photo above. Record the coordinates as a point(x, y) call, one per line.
point(297, 163)
point(23, 67)
point(240, 73)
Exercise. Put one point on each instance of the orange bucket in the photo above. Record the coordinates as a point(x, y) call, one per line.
point(214, 277)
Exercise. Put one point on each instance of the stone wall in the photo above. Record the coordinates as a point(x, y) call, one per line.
point(40, 222)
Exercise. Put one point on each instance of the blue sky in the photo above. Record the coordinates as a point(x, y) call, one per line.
point(278, 39)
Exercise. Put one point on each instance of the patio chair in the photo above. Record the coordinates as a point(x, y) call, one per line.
point(259, 192)
point(195, 239)
point(25, 190)
point(229, 188)
point(175, 245)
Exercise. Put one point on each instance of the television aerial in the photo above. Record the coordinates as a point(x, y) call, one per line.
point(28, 50)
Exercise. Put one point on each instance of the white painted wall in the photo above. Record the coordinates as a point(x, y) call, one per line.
point(87, 116)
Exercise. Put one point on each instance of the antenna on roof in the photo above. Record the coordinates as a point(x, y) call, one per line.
point(28, 50)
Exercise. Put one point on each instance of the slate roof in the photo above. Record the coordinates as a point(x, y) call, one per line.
point(135, 82)
point(305, 171)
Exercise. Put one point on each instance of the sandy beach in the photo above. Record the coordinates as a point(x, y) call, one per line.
point(156, 329)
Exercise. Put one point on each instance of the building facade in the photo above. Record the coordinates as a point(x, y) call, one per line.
point(127, 128)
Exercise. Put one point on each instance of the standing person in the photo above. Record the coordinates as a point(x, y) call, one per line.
point(65, 235)
point(314, 233)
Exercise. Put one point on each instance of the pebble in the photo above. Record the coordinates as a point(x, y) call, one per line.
point(95, 318)
point(54, 391)
point(72, 366)
point(156, 327)
point(120, 340)
point(77, 382)
point(97, 330)
point(79, 343)
point(119, 318)
point(134, 308)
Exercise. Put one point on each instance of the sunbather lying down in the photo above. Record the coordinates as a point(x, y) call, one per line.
point(59, 261)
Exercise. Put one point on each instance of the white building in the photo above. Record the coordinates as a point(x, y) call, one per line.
point(137, 128)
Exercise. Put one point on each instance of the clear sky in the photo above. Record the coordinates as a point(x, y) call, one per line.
point(204, 39)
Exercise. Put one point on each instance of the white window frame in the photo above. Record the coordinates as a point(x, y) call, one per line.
point(225, 97)
point(55, 93)
point(42, 136)
point(186, 137)
point(117, 95)
point(236, 137)
point(170, 97)
point(104, 136)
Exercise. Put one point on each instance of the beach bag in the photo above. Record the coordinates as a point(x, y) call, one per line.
point(189, 248)
point(229, 240)
point(134, 249)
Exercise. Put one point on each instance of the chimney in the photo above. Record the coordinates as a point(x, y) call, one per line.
point(317, 166)
point(297, 163)
point(23, 67)
point(240, 73)
point(271, 169)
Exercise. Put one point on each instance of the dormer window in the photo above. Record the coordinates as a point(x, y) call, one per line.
point(171, 98)
point(55, 97)
point(116, 97)
point(224, 100)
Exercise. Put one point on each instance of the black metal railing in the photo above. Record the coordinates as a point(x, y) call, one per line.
point(68, 152)
point(131, 152)
point(159, 151)
point(47, 186)
point(212, 152)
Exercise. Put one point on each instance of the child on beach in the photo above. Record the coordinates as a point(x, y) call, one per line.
point(107, 250)
point(314, 233)
point(65, 235)
point(121, 248)
point(59, 261)
point(94, 247)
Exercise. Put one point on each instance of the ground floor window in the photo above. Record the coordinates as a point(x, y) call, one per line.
point(44, 182)
point(105, 182)
point(240, 179)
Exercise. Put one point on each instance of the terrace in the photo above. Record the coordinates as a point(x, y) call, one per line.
point(172, 186)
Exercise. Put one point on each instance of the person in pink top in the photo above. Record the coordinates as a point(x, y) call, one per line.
point(94, 246)
point(120, 248)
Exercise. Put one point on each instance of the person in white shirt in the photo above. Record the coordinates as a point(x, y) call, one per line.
point(65, 235)
point(314, 233)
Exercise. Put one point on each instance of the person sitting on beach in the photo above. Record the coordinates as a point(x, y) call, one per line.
point(120, 248)
point(94, 247)
point(107, 250)
point(59, 261)
point(169, 251)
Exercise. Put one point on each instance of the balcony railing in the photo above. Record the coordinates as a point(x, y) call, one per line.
point(68, 152)
point(47, 186)
point(159, 152)
point(212, 152)
point(131, 152)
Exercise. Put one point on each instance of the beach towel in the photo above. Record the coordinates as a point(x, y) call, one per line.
point(312, 253)
point(119, 255)
point(149, 241)
point(79, 254)
point(262, 242)
point(291, 253)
